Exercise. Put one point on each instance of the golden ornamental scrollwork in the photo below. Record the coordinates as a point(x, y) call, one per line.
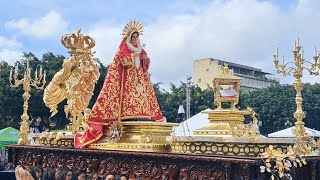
point(146, 138)
point(220, 139)
point(76, 79)
point(279, 163)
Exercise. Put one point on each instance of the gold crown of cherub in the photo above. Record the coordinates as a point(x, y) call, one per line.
point(132, 26)
point(78, 43)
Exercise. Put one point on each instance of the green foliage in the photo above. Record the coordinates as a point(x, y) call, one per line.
point(9, 100)
point(103, 72)
point(275, 106)
point(311, 105)
point(169, 102)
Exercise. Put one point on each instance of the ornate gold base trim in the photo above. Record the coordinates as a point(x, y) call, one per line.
point(53, 139)
point(234, 146)
point(140, 136)
point(133, 147)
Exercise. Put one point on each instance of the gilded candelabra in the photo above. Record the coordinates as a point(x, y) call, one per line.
point(38, 82)
point(297, 68)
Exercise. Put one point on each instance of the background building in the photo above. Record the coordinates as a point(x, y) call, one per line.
point(204, 70)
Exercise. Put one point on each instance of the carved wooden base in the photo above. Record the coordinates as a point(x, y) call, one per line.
point(144, 165)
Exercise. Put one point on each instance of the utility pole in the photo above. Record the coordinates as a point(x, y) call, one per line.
point(188, 96)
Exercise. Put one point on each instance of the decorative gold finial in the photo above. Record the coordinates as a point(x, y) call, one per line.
point(132, 26)
point(225, 69)
point(77, 43)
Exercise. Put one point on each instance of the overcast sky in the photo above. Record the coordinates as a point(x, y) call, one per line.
point(176, 32)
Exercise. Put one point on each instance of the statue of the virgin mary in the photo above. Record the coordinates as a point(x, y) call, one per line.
point(127, 93)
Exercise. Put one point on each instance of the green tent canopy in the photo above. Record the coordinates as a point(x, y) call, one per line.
point(8, 135)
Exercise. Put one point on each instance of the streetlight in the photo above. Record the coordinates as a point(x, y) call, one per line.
point(180, 115)
point(188, 96)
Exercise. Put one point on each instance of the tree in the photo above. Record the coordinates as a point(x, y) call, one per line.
point(169, 102)
point(103, 72)
point(162, 96)
point(311, 105)
point(275, 105)
point(10, 99)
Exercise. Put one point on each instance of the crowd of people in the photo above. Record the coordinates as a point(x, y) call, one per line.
point(7, 171)
point(37, 173)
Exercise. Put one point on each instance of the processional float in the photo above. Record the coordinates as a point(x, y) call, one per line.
point(225, 134)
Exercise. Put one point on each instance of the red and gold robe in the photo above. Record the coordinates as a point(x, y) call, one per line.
point(127, 94)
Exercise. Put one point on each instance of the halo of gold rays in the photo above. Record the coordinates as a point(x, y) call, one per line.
point(132, 26)
point(114, 132)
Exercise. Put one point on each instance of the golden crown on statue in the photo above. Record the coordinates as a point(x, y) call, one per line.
point(78, 43)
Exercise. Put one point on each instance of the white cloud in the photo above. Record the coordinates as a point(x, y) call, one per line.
point(10, 56)
point(9, 43)
point(245, 32)
point(50, 25)
point(107, 38)
point(10, 50)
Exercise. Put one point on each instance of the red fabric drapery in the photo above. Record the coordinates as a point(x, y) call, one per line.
point(127, 94)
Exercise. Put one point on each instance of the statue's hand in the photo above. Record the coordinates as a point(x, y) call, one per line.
point(135, 54)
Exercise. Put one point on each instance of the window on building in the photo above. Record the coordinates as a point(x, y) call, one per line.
point(207, 69)
point(199, 80)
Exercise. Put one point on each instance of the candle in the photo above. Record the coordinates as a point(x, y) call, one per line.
point(36, 74)
point(16, 69)
point(11, 73)
point(282, 59)
point(40, 73)
point(298, 41)
point(277, 52)
point(27, 64)
point(295, 45)
point(302, 53)
point(44, 76)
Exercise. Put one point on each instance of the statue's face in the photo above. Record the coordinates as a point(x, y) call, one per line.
point(134, 38)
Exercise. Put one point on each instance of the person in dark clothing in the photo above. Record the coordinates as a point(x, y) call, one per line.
point(38, 127)
point(36, 172)
point(48, 174)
